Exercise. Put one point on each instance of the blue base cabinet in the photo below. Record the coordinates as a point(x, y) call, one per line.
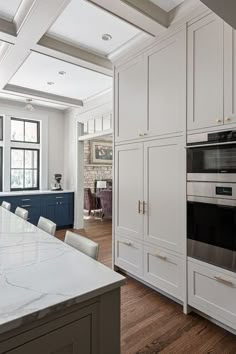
point(58, 207)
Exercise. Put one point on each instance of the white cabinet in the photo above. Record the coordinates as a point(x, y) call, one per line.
point(165, 193)
point(164, 270)
point(212, 290)
point(129, 190)
point(150, 212)
point(205, 73)
point(129, 255)
point(229, 75)
point(167, 86)
point(150, 92)
point(131, 100)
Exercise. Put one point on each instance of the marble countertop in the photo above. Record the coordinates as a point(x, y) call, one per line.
point(40, 274)
point(20, 193)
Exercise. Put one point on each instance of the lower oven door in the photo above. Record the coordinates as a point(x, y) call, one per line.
point(211, 230)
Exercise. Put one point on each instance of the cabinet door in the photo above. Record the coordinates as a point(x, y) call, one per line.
point(129, 190)
point(205, 73)
point(129, 255)
point(131, 98)
point(74, 338)
point(164, 270)
point(165, 193)
point(212, 290)
point(229, 75)
point(167, 86)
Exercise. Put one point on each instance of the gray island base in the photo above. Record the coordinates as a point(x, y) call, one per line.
point(54, 299)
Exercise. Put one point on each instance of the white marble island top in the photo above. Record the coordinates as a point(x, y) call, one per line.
point(40, 274)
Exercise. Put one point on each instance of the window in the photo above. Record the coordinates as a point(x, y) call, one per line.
point(26, 131)
point(1, 128)
point(24, 169)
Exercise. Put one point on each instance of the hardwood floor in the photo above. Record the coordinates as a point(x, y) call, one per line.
point(150, 322)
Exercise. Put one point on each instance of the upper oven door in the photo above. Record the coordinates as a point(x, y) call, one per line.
point(213, 163)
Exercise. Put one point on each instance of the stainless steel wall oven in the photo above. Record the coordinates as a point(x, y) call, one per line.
point(211, 202)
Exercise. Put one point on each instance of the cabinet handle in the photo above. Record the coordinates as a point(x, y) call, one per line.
point(145, 134)
point(158, 255)
point(140, 134)
point(218, 120)
point(224, 281)
point(25, 200)
point(228, 119)
point(59, 197)
point(144, 208)
point(127, 243)
point(25, 206)
point(139, 207)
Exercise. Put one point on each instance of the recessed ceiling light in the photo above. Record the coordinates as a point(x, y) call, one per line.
point(106, 37)
point(62, 72)
point(50, 83)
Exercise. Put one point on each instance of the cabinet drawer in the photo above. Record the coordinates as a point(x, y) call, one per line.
point(129, 255)
point(164, 270)
point(212, 291)
point(59, 197)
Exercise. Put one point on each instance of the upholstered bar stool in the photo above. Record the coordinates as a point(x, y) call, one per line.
point(22, 213)
point(82, 244)
point(47, 225)
point(6, 205)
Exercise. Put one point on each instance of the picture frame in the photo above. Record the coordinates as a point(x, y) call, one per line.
point(101, 152)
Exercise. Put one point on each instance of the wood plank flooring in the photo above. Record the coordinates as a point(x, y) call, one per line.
point(150, 322)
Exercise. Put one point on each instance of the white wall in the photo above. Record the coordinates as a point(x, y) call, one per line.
point(53, 142)
point(73, 152)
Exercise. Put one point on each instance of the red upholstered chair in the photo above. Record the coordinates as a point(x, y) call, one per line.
point(106, 203)
point(89, 201)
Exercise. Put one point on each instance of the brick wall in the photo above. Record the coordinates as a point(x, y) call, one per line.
point(91, 173)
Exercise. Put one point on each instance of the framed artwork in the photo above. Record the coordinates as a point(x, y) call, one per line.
point(101, 152)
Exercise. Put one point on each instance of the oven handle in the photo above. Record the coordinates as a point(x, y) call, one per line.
point(230, 203)
point(210, 144)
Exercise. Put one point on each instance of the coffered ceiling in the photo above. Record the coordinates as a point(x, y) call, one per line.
point(60, 78)
point(39, 38)
point(167, 5)
point(8, 9)
point(84, 24)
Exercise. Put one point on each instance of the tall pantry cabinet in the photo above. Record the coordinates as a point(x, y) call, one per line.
point(150, 115)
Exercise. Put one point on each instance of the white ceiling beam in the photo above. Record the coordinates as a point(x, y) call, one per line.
point(24, 91)
point(134, 16)
point(73, 54)
point(151, 10)
point(40, 17)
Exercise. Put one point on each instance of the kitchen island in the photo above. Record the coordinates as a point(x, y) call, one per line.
point(54, 299)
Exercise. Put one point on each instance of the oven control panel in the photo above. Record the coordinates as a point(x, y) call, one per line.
point(229, 135)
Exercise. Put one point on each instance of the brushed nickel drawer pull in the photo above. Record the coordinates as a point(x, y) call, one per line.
point(126, 243)
point(25, 200)
point(59, 197)
point(224, 281)
point(158, 255)
point(25, 206)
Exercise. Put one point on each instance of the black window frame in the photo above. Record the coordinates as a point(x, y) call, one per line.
point(38, 170)
point(27, 121)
